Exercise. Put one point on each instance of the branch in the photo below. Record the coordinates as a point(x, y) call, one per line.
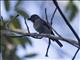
point(46, 16)
point(66, 21)
point(75, 54)
point(27, 26)
point(71, 28)
point(53, 15)
point(70, 41)
point(49, 43)
point(52, 23)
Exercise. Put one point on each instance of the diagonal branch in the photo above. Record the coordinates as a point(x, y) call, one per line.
point(66, 21)
point(27, 26)
point(53, 15)
point(46, 16)
point(70, 41)
point(49, 43)
point(71, 28)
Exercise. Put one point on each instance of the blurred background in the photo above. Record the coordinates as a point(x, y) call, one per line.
point(28, 48)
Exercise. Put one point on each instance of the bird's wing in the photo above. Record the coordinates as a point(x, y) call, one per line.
point(48, 26)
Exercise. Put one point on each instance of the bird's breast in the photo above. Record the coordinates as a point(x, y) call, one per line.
point(38, 27)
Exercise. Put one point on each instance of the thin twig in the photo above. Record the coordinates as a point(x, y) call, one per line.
point(53, 15)
point(49, 38)
point(27, 26)
point(57, 32)
point(68, 24)
point(48, 48)
point(52, 23)
point(75, 54)
point(46, 16)
point(66, 21)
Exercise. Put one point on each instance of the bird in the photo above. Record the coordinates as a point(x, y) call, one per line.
point(42, 26)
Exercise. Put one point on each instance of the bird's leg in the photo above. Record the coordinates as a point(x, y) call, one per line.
point(48, 48)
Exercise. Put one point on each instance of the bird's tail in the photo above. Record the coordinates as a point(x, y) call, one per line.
point(59, 43)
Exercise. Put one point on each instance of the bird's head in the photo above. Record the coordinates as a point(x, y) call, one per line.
point(34, 17)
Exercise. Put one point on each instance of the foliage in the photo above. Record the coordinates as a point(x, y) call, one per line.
point(72, 9)
point(8, 45)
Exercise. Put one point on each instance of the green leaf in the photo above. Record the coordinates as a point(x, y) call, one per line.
point(21, 41)
point(19, 10)
point(7, 5)
point(30, 55)
point(17, 4)
point(25, 40)
point(22, 13)
point(72, 9)
point(15, 22)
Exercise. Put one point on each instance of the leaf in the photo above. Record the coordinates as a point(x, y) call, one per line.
point(30, 55)
point(21, 41)
point(7, 5)
point(22, 13)
point(25, 40)
point(15, 23)
point(17, 4)
point(71, 9)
